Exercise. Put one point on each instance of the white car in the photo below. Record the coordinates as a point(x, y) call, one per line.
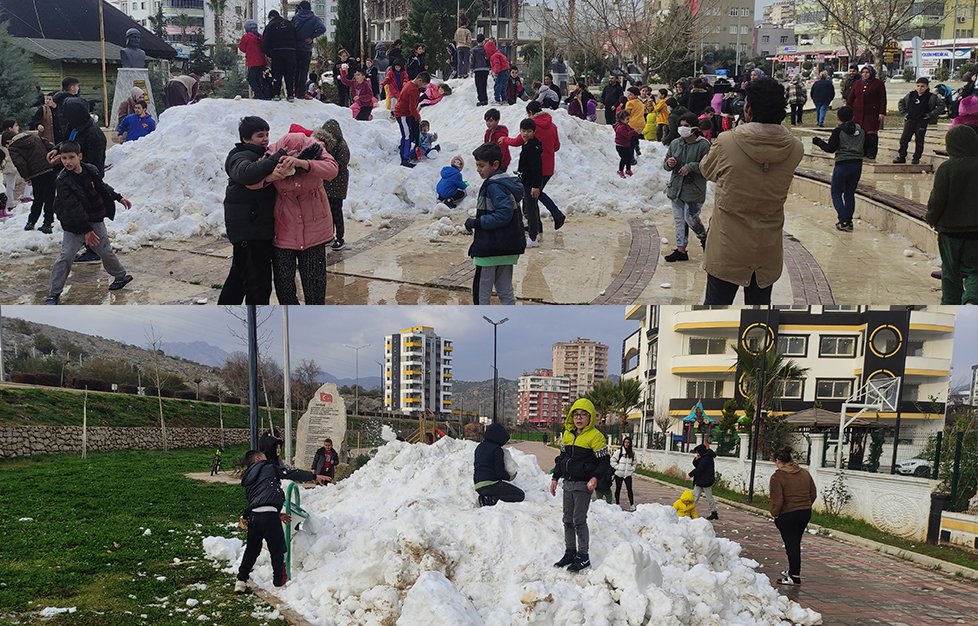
point(913, 467)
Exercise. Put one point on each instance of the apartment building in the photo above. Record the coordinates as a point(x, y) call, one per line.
point(683, 355)
point(582, 362)
point(543, 397)
point(728, 24)
point(417, 371)
point(780, 13)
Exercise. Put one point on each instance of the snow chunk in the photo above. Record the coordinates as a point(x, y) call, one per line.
point(51, 611)
point(435, 601)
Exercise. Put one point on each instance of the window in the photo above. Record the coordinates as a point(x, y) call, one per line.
point(733, 29)
point(837, 346)
point(793, 345)
point(833, 388)
point(915, 347)
point(765, 38)
point(885, 341)
point(711, 345)
point(829, 308)
point(744, 30)
point(910, 393)
point(784, 39)
point(790, 389)
point(704, 389)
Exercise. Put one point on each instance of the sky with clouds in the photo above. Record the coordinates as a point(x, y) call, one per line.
point(322, 333)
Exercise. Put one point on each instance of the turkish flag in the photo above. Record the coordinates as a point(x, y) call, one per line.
point(325, 397)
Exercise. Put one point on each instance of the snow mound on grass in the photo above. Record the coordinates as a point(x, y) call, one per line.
point(175, 176)
point(403, 539)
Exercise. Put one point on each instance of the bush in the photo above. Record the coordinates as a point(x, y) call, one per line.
point(232, 400)
point(93, 384)
point(128, 389)
point(184, 394)
point(942, 73)
point(361, 460)
point(343, 471)
point(233, 84)
point(909, 75)
point(36, 378)
point(209, 397)
point(965, 69)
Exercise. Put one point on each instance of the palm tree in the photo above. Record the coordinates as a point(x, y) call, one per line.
point(777, 370)
point(629, 392)
point(218, 7)
point(183, 22)
point(604, 396)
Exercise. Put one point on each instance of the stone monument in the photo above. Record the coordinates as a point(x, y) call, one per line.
point(133, 73)
point(324, 418)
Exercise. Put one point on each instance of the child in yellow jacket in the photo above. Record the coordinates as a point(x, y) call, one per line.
point(686, 506)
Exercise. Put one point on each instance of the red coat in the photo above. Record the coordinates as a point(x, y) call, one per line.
point(393, 81)
point(868, 102)
point(624, 134)
point(497, 60)
point(251, 46)
point(547, 134)
point(492, 136)
point(407, 101)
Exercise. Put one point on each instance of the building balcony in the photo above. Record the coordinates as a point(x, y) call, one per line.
point(936, 322)
point(703, 365)
point(928, 367)
point(712, 320)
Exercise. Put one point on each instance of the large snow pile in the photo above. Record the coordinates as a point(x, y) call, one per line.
point(403, 540)
point(176, 180)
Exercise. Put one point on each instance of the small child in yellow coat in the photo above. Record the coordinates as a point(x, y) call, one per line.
point(686, 506)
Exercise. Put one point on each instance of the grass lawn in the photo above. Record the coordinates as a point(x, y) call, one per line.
point(849, 525)
point(86, 546)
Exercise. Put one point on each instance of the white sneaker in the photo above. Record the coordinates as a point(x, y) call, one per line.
point(532, 244)
point(240, 586)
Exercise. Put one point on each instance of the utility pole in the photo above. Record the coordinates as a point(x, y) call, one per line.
point(495, 370)
point(740, 11)
point(356, 388)
point(287, 384)
point(253, 374)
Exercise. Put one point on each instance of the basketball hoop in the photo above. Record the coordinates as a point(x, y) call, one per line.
point(881, 392)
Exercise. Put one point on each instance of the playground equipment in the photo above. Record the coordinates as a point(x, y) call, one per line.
point(293, 508)
point(428, 424)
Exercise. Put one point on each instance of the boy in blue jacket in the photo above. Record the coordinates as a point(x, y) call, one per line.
point(451, 188)
point(138, 124)
point(497, 228)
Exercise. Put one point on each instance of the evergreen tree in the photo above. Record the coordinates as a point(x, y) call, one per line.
point(158, 21)
point(200, 63)
point(16, 80)
point(433, 23)
point(348, 27)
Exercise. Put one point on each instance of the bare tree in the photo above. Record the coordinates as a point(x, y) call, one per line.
point(664, 422)
point(154, 343)
point(305, 381)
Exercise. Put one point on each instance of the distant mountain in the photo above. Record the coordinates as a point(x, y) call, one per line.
point(196, 351)
point(367, 382)
point(477, 396)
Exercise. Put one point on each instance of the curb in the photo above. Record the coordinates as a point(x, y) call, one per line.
point(920, 559)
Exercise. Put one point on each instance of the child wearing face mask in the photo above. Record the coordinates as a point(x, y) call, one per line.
point(687, 186)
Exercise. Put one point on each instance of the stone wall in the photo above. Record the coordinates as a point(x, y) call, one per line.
point(33, 440)
point(895, 504)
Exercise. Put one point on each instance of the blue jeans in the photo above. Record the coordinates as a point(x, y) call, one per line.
point(687, 214)
point(499, 89)
point(845, 177)
point(820, 111)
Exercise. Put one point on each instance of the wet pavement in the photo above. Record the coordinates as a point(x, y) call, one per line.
point(847, 584)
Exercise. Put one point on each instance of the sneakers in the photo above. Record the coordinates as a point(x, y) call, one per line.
point(408, 163)
point(47, 229)
point(240, 586)
point(488, 500)
point(559, 220)
point(914, 161)
point(87, 256)
point(290, 99)
point(581, 561)
point(531, 244)
point(900, 159)
point(337, 244)
point(449, 202)
point(276, 98)
point(713, 515)
point(621, 174)
point(628, 172)
point(119, 283)
point(567, 559)
point(676, 255)
point(29, 226)
point(52, 300)
point(789, 581)
point(846, 228)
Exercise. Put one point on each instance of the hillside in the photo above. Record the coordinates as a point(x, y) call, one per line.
point(477, 396)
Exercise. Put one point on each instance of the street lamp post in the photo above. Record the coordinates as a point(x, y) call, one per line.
point(356, 388)
point(761, 360)
point(383, 386)
point(495, 371)
point(740, 11)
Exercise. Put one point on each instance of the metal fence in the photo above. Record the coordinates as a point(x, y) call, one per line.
point(917, 454)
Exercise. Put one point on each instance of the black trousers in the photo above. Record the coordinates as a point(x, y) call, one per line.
point(625, 157)
point(609, 115)
point(364, 114)
point(44, 188)
point(915, 129)
point(250, 276)
point(256, 83)
point(283, 70)
point(302, 61)
point(265, 527)
point(507, 492)
point(312, 272)
point(721, 292)
point(797, 110)
point(481, 80)
point(336, 209)
point(872, 145)
point(792, 526)
point(531, 211)
point(628, 487)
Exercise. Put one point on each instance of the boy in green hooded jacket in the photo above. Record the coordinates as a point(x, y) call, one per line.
point(584, 456)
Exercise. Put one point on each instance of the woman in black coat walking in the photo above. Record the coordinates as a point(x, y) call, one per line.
point(704, 475)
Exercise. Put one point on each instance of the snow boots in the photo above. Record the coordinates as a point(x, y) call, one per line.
point(567, 559)
point(488, 500)
point(581, 561)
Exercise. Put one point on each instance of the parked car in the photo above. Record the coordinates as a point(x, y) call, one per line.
point(913, 467)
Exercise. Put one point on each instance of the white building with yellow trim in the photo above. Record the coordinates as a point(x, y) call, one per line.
point(417, 371)
point(684, 354)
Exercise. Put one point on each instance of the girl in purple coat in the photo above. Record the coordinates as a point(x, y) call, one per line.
point(361, 95)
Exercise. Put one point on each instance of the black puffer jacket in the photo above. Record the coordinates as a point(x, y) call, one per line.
point(82, 130)
point(704, 472)
point(249, 214)
point(279, 35)
point(489, 464)
point(72, 204)
point(263, 486)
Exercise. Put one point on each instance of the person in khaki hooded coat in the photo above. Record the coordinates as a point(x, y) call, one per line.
point(752, 167)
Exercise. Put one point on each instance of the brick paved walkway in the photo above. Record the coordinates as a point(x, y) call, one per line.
point(849, 586)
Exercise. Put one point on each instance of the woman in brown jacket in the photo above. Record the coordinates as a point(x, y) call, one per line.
point(792, 496)
point(867, 97)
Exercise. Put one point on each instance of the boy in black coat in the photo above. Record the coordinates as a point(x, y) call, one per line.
point(530, 171)
point(704, 475)
point(82, 203)
point(264, 517)
point(249, 216)
point(490, 474)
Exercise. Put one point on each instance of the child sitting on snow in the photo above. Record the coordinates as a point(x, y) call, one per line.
point(361, 95)
point(451, 188)
point(425, 141)
point(494, 467)
point(514, 86)
point(685, 506)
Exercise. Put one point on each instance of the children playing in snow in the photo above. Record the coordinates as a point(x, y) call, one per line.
point(624, 465)
point(624, 138)
point(686, 506)
point(514, 86)
point(426, 142)
point(29, 154)
point(451, 187)
point(138, 124)
point(434, 93)
point(583, 458)
point(362, 99)
point(264, 517)
point(497, 228)
point(530, 170)
point(491, 474)
point(394, 80)
point(636, 117)
point(494, 133)
point(409, 117)
point(687, 186)
point(847, 142)
point(82, 203)
point(546, 132)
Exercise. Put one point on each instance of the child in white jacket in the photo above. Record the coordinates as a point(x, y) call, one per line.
point(624, 463)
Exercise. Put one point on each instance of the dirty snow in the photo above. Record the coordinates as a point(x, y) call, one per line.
point(402, 540)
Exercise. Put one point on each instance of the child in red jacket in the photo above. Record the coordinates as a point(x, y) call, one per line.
point(494, 132)
point(394, 80)
point(250, 44)
point(624, 137)
point(546, 132)
point(409, 117)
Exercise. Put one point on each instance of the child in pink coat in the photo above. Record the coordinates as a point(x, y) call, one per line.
point(303, 220)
